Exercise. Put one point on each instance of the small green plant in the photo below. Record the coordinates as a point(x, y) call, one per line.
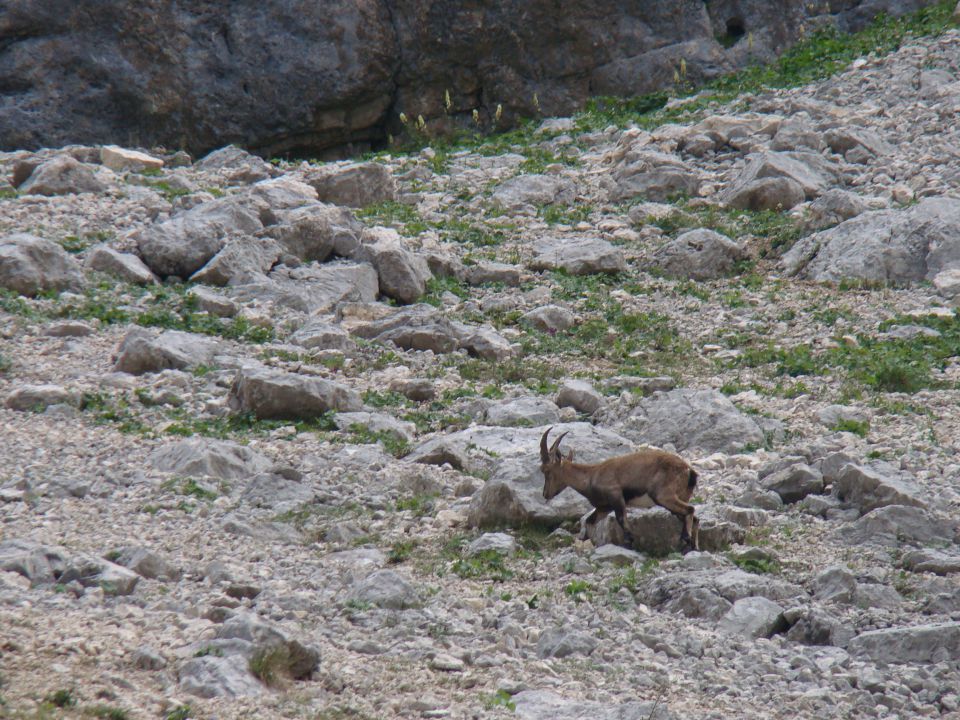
point(579, 590)
point(487, 564)
point(400, 551)
point(208, 651)
point(419, 505)
point(179, 713)
point(500, 699)
point(106, 712)
point(757, 565)
point(857, 427)
point(61, 698)
point(391, 442)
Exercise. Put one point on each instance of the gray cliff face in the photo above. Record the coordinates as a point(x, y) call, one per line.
point(279, 76)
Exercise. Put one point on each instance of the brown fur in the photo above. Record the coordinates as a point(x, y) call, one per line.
point(613, 484)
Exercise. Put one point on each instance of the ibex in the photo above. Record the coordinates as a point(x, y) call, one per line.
point(610, 485)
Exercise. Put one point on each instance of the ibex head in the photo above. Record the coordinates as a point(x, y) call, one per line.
point(551, 465)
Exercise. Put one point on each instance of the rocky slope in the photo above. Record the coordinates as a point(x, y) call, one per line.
point(198, 75)
point(270, 432)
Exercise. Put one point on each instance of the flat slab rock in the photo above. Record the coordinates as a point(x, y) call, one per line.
point(276, 395)
point(920, 644)
point(578, 256)
point(209, 458)
point(546, 705)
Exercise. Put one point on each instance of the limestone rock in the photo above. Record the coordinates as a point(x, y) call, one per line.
point(38, 563)
point(385, 589)
point(895, 524)
point(353, 184)
point(322, 335)
point(277, 395)
point(241, 260)
point(119, 159)
point(144, 351)
point(61, 175)
point(651, 175)
point(29, 398)
point(699, 255)
point(876, 485)
point(97, 572)
point(211, 676)
point(832, 208)
point(753, 617)
point(561, 643)
point(212, 302)
point(533, 190)
point(794, 483)
point(580, 395)
point(546, 705)
point(687, 419)
point(927, 644)
point(808, 170)
point(125, 266)
point(314, 231)
point(578, 256)
point(523, 411)
point(500, 543)
point(204, 457)
point(30, 265)
point(550, 318)
point(146, 563)
point(769, 193)
point(313, 288)
point(187, 241)
point(402, 274)
point(931, 560)
point(376, 423)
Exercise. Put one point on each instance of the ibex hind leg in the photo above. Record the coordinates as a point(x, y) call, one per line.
point(685, 512)
point(620, 509)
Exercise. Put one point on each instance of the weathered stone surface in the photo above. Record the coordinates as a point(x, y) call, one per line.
point(920, 644)
point(808, 170)
point(930, 560)
point(211, 676)
point(496, 542)
point(276, 395)
point(314, 231)
point(561, 643)
point(213, 302)
point(876, 485)
point(37, 563)
point(550, 318)
point(797, 134)
point(386, 589)
point(61, 175)
point(578, 256)
point(353, 184)
point(28, 398)
point(753, 617)
point(651, 175)
point(186, 242)
point(181, 88)
point(894, 246)
point(771, 193)
point(896, 524)
point(687, 418)
point(832, 208)
point(146, 563)
point(241, 260)
point(97, 572)
point(204, 457)
point(236, 163)
point(580, 395)
point(699, 602)
point(143, 351)
point(119, 159)
point(533, 190)
point(546, 705)
point(125, 266)
point(402, 274)
point(313, 288)
point(30, 265)
point(654, 530)
point(523, 411)
point(843, 140)
point(699, 255)
point(794, 483)
point(322, 335)
point(376, 423)
point(493, 272)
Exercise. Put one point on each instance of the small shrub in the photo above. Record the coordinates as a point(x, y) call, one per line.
point(577, 589)
point(757, 566)
point(487, 564)
point(179, 713)
point(271, 665)
point(857, 427)
point(61, 699)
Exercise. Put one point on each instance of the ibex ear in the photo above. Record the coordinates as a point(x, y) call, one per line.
point(570, 455)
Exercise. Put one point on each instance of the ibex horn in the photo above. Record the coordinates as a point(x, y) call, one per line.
point(556, 442)
point(544, 453)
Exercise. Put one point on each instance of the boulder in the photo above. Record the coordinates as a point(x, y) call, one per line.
point(893, 246)
point(30, 265)
point(578, 256)
point(550, 318)
point(794, 483)
point(145, 351)
point(523, 411)
point(241, 260)
point(770, 193)
point(832, 208)
point(561, 643)
point(322, 335)
point(536, 190)
point(580, 395)
point(932, 561)
point(687, 419)
point(651, 175)
point(843, 140)
point(30, 398)
point(187, 241)
point(927, 644)
point(61, 175)
point(276, 395)
point(353, 184)
point(211, 301)
point(38, 563)
point(810, 171)
point(876, 485)
point(204, 457)
point(211, 676)
point(797, 134)
point(379, 423)
point(146, 563)
point(314, 231)
point(402, 274)
point(235, 163)
point(654, 530)
point(493, 272)
point(385, 589)
point(893, 525)
point(121, 159)
point(753, 617)
point(547, 705)
point(313, 289)
point(500, 543)
point(97, 572)
point(699, 255)
point(126, 266)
